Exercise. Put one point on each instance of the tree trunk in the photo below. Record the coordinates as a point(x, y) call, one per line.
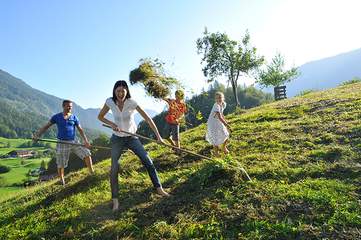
point(234, 88)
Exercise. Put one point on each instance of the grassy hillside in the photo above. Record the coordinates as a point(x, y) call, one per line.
point(303, 155)
point(11, 181)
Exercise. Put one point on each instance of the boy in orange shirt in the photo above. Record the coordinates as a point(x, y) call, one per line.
point(177, 109)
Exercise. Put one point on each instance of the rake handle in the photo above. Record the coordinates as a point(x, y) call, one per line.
point(70, 143)
point(174, 147)
point(164, 144)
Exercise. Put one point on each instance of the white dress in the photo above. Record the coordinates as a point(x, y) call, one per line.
point(217, 132)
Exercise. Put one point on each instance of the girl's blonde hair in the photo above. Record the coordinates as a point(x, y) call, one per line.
point(220, 94)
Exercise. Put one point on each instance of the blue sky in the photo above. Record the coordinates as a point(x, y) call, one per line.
point(78, 49)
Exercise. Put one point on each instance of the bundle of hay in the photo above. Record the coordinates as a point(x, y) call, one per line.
point(151, 74)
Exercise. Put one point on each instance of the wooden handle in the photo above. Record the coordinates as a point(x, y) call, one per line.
point(164, 144)
point(174, 147)
point(69, 143)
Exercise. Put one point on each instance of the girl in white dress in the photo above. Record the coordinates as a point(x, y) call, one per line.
point(217, 126)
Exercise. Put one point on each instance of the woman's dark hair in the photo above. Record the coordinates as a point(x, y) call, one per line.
point(120, 83)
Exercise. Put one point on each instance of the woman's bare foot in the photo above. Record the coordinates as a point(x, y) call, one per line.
point(161, 192)
point(115, 204)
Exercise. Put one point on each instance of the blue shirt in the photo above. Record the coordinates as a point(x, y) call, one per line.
point(66, 127)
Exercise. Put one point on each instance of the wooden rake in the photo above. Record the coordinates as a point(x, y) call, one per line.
point(174, 147)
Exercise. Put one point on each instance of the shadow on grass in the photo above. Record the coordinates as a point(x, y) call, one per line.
point(136, 202)
point(101, 219)
point(58, 195)
point(187, 196)
point(346, 174)
point(146, 208)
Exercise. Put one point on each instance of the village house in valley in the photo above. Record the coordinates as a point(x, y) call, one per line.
point(21, 153)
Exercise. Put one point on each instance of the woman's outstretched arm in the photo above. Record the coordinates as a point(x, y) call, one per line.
point(150, 122)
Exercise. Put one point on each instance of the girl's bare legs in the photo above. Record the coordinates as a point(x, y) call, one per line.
point(225, 149)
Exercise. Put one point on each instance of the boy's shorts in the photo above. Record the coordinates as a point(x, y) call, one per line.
point(171, 130)
point(63, 153)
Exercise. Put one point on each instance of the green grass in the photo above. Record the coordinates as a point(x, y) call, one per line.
point(302, 154)
point(7, 192)
point(10, 144)
point(18, 171)
point(14, 142)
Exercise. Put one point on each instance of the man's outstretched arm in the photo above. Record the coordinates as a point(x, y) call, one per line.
point(82, 134)
point(40, 132)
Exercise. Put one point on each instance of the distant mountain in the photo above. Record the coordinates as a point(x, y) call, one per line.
point(24, 109)
point(326, 73)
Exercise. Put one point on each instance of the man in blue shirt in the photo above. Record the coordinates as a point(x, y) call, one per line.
point(66, 123)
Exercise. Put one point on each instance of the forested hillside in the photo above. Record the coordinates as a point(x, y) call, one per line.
point(24, 109)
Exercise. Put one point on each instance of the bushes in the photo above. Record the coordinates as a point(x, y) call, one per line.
point(30, 144)
point(4, 169)
point(352, 81)
point(305, 92)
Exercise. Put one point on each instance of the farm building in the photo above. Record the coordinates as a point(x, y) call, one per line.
point(21, 153)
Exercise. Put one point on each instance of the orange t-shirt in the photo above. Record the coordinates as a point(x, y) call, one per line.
point(175, 111)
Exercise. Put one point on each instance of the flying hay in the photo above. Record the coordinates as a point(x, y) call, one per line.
point(151, 74)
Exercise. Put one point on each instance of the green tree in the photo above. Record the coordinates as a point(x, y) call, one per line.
point(43, 165)
point(225, 57)
point(352, 81)
point(275, 73)
point(101, 154)
point(199, 116)
point(199, 106)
